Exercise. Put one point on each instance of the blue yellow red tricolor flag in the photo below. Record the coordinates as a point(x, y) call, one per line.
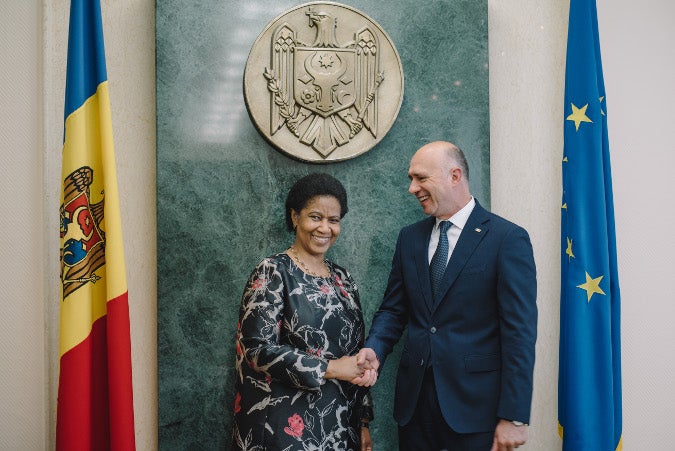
point(589, 382)
point(95, 402)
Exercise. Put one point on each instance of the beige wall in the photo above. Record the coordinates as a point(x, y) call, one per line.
point(527, 51)
point(24, 375)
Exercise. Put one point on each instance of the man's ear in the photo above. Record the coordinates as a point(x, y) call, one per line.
point(456, 174)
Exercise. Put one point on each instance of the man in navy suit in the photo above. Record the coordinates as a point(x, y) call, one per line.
point(465, 375)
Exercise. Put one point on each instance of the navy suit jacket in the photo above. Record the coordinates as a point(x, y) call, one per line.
point(479, 337)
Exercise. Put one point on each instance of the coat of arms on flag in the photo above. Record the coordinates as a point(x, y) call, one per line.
point(83, 250)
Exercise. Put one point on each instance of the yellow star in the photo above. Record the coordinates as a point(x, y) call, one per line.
point(601, 110)
point(568, 251)
point(591, 286)
point(578, 115)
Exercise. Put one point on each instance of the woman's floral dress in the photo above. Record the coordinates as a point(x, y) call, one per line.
point(290, 325)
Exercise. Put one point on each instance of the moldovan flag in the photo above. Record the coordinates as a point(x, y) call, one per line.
point(95, 402)
point(589, 382)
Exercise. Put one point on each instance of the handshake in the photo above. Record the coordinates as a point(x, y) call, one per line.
point(359, 369)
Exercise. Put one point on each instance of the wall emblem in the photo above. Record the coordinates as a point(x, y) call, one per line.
point(82, 240)
point(323, 82)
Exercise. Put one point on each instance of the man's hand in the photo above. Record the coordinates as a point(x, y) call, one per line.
point(508, 436)
point(367, 359)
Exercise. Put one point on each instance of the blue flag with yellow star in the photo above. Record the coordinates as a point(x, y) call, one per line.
point(589, 382)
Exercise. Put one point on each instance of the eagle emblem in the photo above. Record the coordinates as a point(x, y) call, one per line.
point(324, 92)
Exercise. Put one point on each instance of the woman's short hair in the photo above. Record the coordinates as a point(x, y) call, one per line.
point(312, 185)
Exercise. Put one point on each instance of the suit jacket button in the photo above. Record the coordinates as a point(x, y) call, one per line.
point(422, 362)
point(433, 330)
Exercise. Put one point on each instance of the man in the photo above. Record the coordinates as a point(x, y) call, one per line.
point(465, 375)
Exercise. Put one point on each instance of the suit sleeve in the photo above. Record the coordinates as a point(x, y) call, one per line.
point(392, 316)
point(517, 293)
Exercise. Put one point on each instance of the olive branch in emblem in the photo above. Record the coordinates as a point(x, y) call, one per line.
point(286, 110)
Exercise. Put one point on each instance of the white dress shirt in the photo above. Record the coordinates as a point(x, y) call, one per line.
point(458, 222)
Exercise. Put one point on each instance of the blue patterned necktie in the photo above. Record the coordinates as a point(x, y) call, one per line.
point(440, 259)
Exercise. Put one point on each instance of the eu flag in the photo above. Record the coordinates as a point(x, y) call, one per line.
point(589, 383)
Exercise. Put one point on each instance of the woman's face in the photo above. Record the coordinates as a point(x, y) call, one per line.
point(317, 226)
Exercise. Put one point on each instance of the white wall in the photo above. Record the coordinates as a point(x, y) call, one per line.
point(527, 53)
point(639, 66)
point(24, 375)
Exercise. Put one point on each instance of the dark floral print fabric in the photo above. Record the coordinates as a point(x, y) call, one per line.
point(290, 325)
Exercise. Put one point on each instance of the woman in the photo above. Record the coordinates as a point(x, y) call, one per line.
point(300, 327)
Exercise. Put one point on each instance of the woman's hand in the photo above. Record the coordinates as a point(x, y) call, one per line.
point(366, 440)
point(347, 368)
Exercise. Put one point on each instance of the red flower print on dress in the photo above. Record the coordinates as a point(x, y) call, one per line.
point(258, 284)
point(339, 283)
point(237, 402)
point(295, 426)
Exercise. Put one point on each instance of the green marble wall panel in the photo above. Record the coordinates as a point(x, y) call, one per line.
point(221, 187)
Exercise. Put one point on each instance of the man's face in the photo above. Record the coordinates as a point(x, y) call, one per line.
point(431, 182)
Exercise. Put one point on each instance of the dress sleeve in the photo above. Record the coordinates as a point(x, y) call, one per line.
point(259, 328)
point(366, 408)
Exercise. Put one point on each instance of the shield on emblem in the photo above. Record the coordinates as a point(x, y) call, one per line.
point(324, 79)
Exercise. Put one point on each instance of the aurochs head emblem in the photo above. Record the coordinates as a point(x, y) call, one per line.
point(323, 82)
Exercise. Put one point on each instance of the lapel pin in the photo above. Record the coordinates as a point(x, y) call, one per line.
point(477, 230)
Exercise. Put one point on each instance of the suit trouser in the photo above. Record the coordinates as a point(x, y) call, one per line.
point(428, 431)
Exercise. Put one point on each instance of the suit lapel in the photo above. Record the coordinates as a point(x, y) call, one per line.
point(421, 253)
point(476, 227)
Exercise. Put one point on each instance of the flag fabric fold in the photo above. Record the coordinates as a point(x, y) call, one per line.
point(95, 401)
point(589, 382)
